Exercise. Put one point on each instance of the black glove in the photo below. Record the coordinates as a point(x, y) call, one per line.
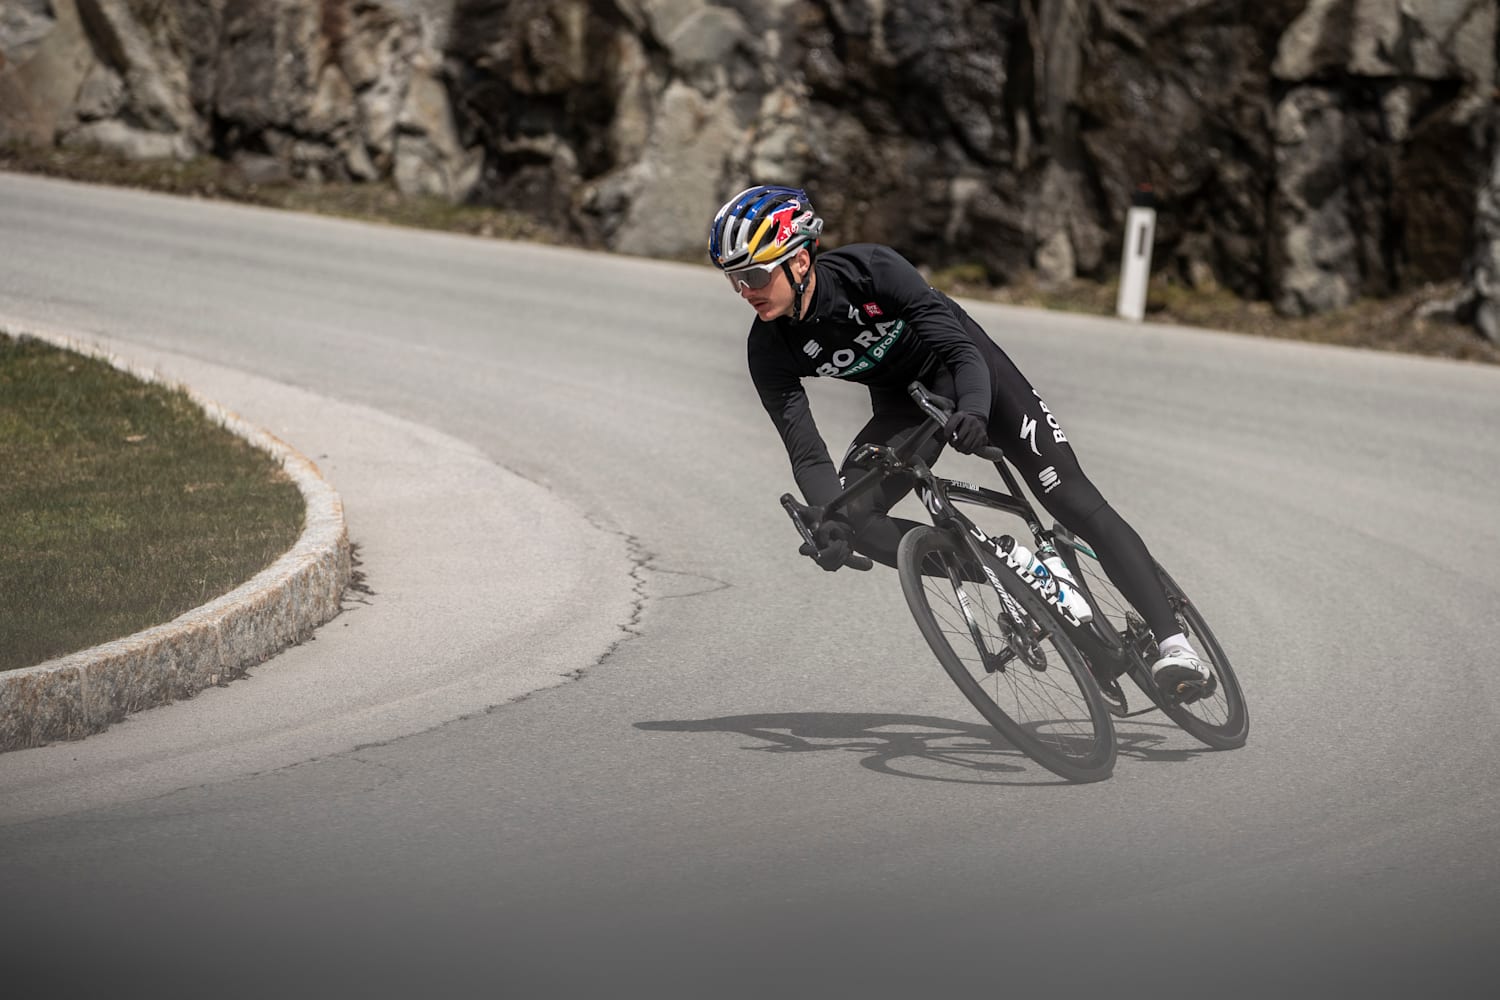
point(833, 538)
point(967, 432)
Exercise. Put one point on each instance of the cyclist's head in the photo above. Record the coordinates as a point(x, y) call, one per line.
point(759, 228)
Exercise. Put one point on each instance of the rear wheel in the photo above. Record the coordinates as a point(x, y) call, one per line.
point(1008, 654)
point(1220, 720)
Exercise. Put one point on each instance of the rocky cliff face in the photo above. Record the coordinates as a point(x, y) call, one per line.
point(1304, 151)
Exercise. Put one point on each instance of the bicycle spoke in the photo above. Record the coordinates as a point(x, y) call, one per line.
point(1047, 702)
point(999, 643)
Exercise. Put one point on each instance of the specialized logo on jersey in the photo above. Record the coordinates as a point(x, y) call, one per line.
point(1028, 426)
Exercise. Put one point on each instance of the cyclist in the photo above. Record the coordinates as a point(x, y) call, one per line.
point(864, 314)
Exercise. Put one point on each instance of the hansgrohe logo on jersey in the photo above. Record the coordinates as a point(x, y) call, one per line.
point(878, 340)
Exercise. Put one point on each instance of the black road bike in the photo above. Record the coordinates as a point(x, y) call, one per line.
point(1044, 675)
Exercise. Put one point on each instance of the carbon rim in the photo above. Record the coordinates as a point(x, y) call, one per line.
point(1010, 658)
point(1219, 720)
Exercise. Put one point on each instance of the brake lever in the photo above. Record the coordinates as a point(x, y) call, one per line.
point(918, 392)
point(928, 405)
point(796, 511)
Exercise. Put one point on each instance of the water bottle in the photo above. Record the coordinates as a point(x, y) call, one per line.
point(1068, 594)
point(1015, 553)
point(1021, 559)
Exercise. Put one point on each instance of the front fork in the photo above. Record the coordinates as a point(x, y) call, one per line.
point(1021, 633)
point(992, 661)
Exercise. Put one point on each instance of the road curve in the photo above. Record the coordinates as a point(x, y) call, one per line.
point(760, 780)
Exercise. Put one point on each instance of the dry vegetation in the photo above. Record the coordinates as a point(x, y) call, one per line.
point(207, 177)
point(1392, 324)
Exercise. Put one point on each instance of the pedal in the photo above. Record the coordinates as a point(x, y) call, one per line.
point(1188, 693)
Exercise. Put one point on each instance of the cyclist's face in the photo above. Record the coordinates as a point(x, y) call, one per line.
point(775, 299)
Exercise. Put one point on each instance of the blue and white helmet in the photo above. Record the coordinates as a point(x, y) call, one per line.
point(762, 225)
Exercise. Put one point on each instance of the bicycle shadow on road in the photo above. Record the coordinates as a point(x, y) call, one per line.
point(921, 747)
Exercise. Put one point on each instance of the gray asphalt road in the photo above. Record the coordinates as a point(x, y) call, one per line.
point(761, 783)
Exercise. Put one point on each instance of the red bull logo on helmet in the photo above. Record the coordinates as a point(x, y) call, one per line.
point(785, 219)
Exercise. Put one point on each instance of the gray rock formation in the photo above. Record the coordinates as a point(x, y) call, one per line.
point(44, 59)
point(1304, 151)
point(1377, 172)
point(1484, 276)
point(289, 88)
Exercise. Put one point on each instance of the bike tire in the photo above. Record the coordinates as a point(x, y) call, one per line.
point(1222, 720)
point(1057, 717)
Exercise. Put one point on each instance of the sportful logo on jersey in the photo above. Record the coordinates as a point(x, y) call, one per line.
point(812, 348)
point(1049, 478)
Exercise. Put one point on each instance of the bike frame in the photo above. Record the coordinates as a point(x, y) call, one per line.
point(940, 496)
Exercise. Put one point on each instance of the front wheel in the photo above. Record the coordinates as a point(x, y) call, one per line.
point(1008, 654)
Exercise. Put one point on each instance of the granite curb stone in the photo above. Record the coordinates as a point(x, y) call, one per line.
point(84, 692)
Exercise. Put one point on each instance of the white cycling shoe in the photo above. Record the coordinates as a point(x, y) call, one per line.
point(1181, 675)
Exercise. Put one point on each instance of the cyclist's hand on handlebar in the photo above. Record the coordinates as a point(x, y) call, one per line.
point(967, 432)
point(833, 538)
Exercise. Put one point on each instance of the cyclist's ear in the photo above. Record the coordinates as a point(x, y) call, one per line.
point(802, 263)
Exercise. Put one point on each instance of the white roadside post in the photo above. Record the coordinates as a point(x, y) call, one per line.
point(1135, 259)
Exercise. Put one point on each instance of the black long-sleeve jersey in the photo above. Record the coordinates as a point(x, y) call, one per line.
point(873, 319)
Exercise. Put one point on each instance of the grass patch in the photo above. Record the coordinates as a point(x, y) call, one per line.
point(122, 504)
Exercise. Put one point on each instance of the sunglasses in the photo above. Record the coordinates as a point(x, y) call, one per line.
point(755, 276)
